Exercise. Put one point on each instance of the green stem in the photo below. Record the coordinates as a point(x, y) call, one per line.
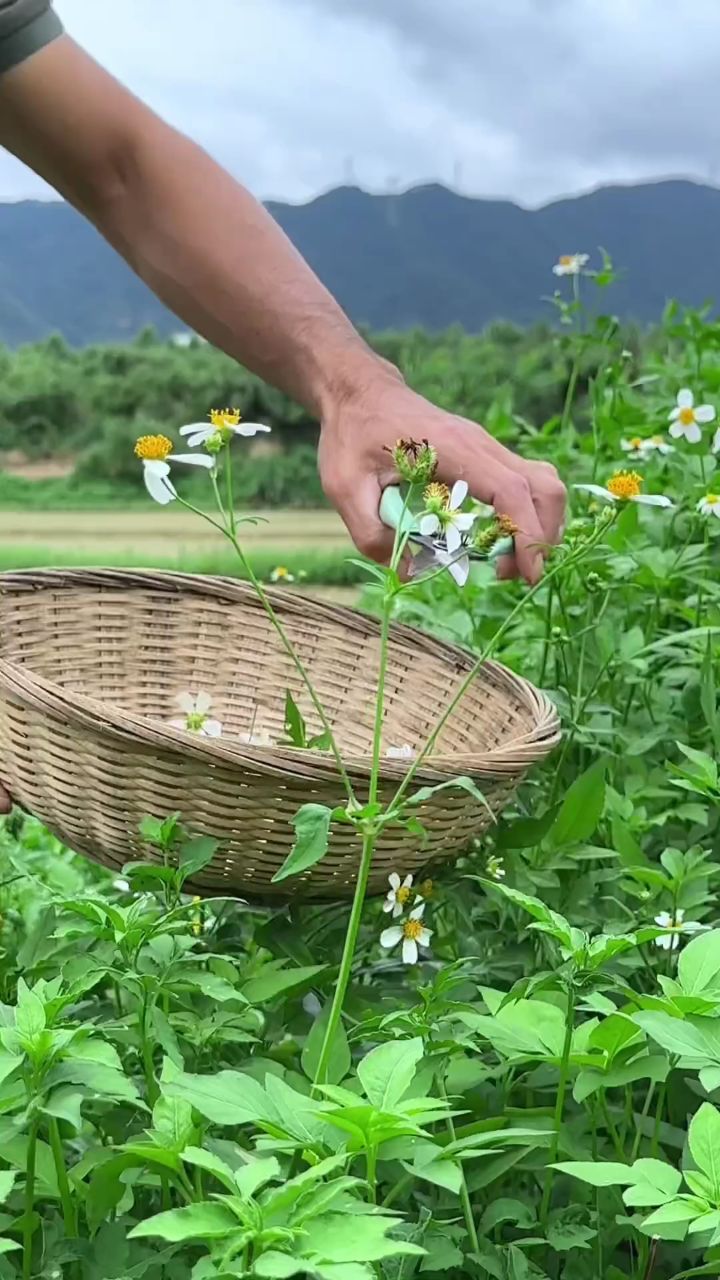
point(546, 637)
point(147, 1057)
point(643, 1116)
point(464, 1193)
point(68, 1205)
point(559, 1107)
point(29, 1212)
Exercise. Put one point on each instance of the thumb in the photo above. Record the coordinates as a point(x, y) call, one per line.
point(359, 508)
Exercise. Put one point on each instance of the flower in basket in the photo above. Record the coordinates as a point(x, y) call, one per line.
point(196, 718)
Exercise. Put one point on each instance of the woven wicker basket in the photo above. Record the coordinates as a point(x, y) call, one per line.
point(91, 662)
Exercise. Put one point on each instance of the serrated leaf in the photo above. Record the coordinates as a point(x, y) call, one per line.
point(203, 1221)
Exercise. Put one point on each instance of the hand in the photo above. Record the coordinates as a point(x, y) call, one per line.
point(6, 803)
point(355, 467)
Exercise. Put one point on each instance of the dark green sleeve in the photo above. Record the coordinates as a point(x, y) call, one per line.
point(25, 27)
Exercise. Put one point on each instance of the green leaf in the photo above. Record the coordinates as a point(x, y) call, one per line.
point(196, 854)
point(656, 1182)
point(607, 1173)
point(211, 1163)
point(277, 1266)
point(273, 981)
point(229, 1097)
point(352, 1237)
point(65, 1103)
point(704, 1142)
point(553, 923)
point(203, 1221)
point(340, 1058)
point(563, 1236)
point(295, 727)
point(312, 832)
point(30, 1017)
point(696, 1039)
point(699, 965)
point(463, 783)
point(7, 1182)
point(504, 1210)
point(582, 807)
point(386, 1072)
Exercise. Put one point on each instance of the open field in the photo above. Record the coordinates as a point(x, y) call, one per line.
point(312, 542)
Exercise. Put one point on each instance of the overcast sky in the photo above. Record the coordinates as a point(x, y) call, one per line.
point(530, 99)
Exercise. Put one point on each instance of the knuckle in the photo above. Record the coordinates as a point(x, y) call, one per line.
point(516, 490)
point(547, 480)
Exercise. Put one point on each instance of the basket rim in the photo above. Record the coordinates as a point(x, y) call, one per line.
point(43, 695)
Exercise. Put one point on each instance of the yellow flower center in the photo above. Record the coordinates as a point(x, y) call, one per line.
point(425, 889)
point(625, 484)
point(403, 894)
point(437, 493)
point(657, 439)
point(220, 418)
point(712, 499)
point(637, 442)
point(687, 416)
point(281, 571)
point(153, 448)
point(565, 259)
point(412, 929)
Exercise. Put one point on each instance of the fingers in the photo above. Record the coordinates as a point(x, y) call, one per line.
point(358, 500)
point(549, 497)
point(6, 803)
point(511, 495)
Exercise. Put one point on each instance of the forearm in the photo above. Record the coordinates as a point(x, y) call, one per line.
point(218, 260)
point(198, 239)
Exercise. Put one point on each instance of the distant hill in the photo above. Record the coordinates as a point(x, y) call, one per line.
point(428, 257)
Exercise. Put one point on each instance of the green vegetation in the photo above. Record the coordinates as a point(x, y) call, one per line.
point(211, 1090)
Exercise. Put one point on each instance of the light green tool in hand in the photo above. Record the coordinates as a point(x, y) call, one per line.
point(429, 552)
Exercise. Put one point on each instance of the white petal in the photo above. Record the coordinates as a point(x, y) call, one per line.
point(186, 702)
point(390, 937)
point(193, 459)
point(389, 904)
point(429, 524)
point(694, 926)
point(674, 941)
point(407, 882)
point(159, 486)
point(665, 942)
point(394, 880)
point(409, 951)
point(249, 428)
point(464, 521)
point(560, 269)
point(458, 494)
point(212, 729)
point(178, 724)
point(194, 428)
point(203, 702)
point(453, 541)
point(716, 441)
point(652, 500)
point(704, 413)
point(424, 938)
point(417, 912)
point(397, 910)
point(693, 434)
point(677, 430)
point(201, 438)
point(663, 919)
point(459, 570)
point(597, 491)
point(679, 915)
point(685, 398)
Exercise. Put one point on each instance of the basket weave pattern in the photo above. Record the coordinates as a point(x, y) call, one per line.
point(91, 662)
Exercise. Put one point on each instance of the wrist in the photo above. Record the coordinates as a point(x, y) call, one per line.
point(352, 377)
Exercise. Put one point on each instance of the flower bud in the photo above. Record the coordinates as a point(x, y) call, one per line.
point(415, 460)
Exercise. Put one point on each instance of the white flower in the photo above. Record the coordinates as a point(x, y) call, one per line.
point(640, 447)
point(196, 719)
point(625, 486)
point(281, 574)
point(256, 739)
point(399, 895)
point(122, 886)
point(716, 442)
point(671, 941)
point(155, 453)
point(401, 753)
point(686, 417)
point(570, 264)
point(495, 868)
point(412, 934)
point(223, 425)
point(709, 505)
point(450, 520)
point(457, 566)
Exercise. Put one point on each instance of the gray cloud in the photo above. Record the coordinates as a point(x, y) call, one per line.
point(526, 98)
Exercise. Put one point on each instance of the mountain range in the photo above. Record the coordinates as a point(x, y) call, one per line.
point(427, 257)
